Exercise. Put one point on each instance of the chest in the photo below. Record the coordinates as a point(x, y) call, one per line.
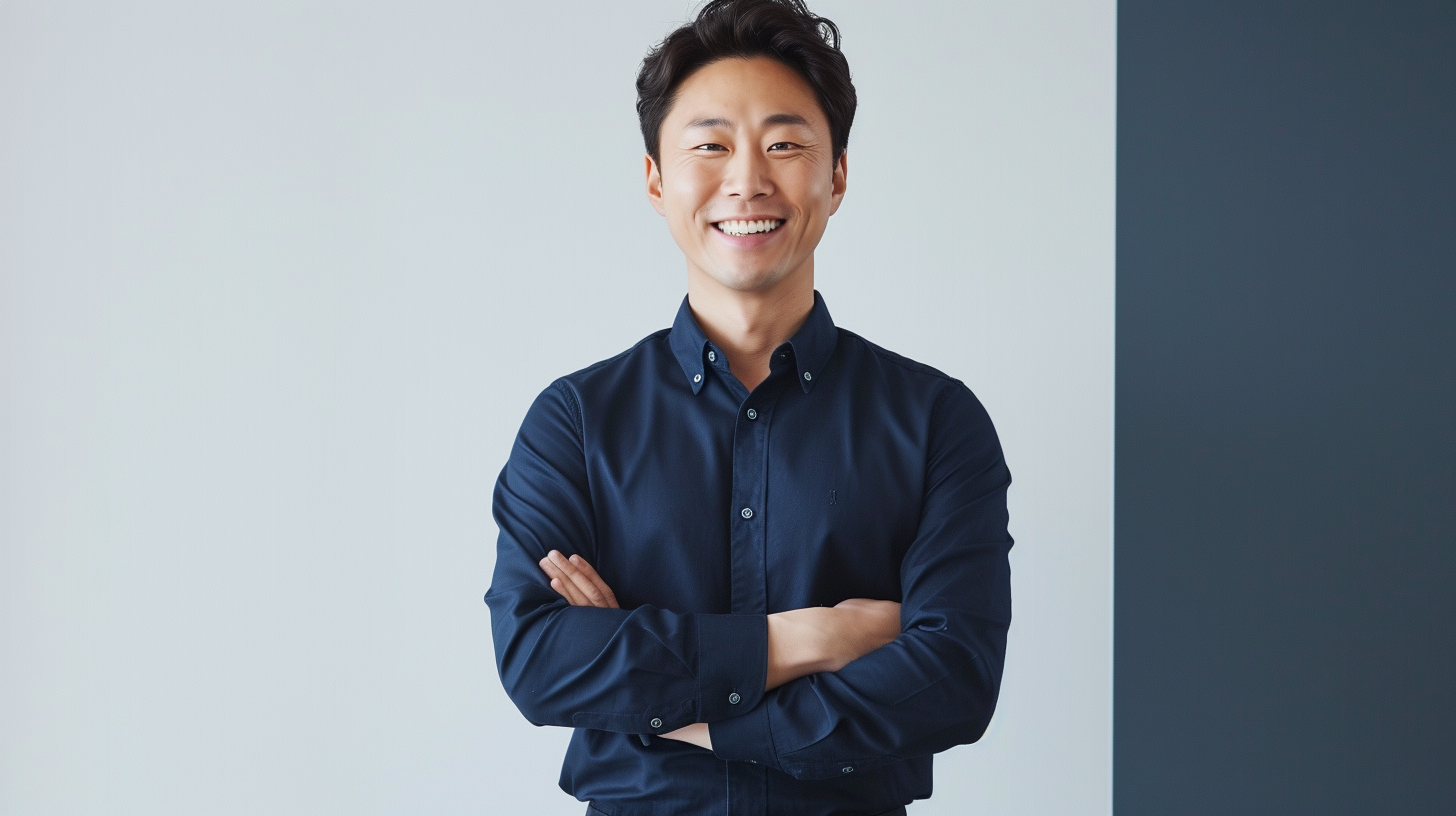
point(815, 499)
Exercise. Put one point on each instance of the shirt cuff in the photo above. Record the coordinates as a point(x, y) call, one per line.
point(732, 664)
point(745, 739)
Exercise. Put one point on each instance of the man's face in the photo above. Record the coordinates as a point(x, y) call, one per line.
point(746, 180)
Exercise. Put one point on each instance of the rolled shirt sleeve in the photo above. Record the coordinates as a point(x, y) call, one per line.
point(641, 671)
point(935, 686)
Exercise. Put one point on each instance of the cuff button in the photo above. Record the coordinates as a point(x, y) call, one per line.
point(734, 699)
point(656, 722)
point(847, 769)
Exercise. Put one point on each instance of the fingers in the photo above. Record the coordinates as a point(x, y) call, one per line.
point(586, 570)
point(575, 583)
point(564, 589)
point(575, 580)
point(562, 584)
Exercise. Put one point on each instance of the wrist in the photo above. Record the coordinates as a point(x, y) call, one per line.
point(694, 734)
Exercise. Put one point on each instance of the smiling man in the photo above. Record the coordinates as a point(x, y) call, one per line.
point(756, 561)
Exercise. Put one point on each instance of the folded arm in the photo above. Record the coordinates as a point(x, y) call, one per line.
point(569, 656)
point(800, 641)
point(935, 685)
point(640, 671)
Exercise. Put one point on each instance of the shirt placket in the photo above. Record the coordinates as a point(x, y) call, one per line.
point(747, 781)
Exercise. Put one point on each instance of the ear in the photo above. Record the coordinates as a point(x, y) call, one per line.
point(839, 181)
point(654, 184)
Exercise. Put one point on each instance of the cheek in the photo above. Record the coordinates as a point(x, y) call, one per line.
point(685, 191)
point(812, 188)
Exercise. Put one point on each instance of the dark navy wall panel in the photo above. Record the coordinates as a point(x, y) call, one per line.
point(1286, 408)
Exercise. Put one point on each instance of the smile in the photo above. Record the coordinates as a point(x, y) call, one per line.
point(749, 227)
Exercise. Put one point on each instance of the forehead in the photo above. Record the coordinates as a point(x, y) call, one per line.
point(751, 89)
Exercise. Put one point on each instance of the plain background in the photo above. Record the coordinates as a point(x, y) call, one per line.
point(1286, 407)
point(279, 280)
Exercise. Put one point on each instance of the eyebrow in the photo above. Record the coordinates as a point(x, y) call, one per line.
point(775, 119)
point(786, 119)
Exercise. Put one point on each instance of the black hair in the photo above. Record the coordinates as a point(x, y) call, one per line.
point(784, 30)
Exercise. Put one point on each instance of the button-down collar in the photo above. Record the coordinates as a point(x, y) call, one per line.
point(810, 347)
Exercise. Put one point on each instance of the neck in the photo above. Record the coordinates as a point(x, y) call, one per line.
point(749, 325)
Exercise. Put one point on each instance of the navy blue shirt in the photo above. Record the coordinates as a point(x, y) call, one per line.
point(850, 472)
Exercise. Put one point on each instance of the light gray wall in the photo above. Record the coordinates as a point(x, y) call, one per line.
point(278, 281)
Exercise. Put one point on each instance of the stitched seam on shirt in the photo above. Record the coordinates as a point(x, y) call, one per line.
point(925, 472)
point(697, 668)
point(930, 432)
point(575, 407)
point(903, 362)
point(619, 355)
point(935, 406)
point(772, 743)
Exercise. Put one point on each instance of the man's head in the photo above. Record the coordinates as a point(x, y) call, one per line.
point(745, 113)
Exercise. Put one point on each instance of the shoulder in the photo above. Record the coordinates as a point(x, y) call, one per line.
point(626, 369)
point(945, 398)
point(645, 357)
point(867, 357)
point(646, 351)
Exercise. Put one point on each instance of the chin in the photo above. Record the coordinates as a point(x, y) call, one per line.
point(749, 280)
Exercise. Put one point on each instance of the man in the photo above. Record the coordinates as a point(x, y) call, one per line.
point(757, 562)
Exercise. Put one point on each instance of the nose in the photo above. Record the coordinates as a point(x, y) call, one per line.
point(747, 175)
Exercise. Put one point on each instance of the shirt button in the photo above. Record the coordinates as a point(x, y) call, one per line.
point(712, 356)
point(746, 512)
point(697, 378)
point(752, 414)
point(734, 699)
point(656, 722)
point(847, 769)
point(808, 376)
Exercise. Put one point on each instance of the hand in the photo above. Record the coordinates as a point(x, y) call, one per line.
point(575, 580)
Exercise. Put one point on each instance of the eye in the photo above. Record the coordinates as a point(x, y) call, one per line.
point(782, 146)
point(710, 147)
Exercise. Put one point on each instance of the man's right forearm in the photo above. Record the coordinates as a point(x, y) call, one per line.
point(820, 638)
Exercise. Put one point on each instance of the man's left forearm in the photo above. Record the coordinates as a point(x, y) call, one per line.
point(800, 642)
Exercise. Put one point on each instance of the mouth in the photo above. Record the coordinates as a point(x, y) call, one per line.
point(741, 228)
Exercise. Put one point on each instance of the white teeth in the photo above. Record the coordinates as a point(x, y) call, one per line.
point(749, 227)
